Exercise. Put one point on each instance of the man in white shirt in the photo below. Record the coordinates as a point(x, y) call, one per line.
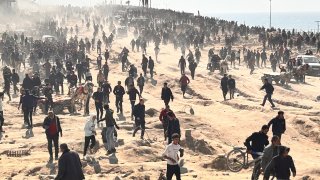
point(172, 155)
point(90, 132)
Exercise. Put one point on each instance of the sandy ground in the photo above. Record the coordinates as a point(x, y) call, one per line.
point(221, 124)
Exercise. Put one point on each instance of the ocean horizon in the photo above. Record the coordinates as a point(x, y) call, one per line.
point(301, 21)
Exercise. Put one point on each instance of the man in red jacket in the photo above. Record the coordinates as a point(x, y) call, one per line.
point(164, 119)
point(184, 81)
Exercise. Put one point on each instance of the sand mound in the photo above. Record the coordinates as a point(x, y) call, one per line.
point(219, 163)
point(196, 145)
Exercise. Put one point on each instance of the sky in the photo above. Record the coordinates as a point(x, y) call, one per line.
point(212, 6)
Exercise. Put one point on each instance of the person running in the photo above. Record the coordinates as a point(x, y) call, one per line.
point(166, 94)
point(255, 144)
point(90, 132)
point(224, 86)
point(278, 124)
point(69, 165)
point(184, 81)
point(15, 80)
point(53, 128)
point(173, 126)
point(269, 91)
point(144, 64)
point(231, 86)
point(281, 166)
point(269, 152)
point(151, 66)
point(171, 154)
point(106, 90)
point(98, 102)
point(119, 92)
point(110, 124)
point(27, 102)
point(139, 114)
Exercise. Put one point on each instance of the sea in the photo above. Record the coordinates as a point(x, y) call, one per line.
point(300, 21)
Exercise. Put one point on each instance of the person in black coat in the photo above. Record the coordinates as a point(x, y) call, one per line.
point(192, 68)
point(224, 86)
point(69, 165)
point(15, 80)
point(231, 86)
point(151, 66)
point(166, 94)
point(173, 126)
point(139, 114)
point(269, 91)
point(119, 92)
point(144, 64)
point(27, 83)
point(52, 127)
point(281, 165)
point(278, 124)
point(256, 143)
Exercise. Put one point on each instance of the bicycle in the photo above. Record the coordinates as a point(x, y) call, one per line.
point(238, 159)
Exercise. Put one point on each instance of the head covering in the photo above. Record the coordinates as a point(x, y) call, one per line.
point(91, 117)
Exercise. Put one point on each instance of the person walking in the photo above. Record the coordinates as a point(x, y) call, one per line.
point(166, 94)
point(140, 83)
point(151, 66)
point(119, 92)
point(27, 102)
point(224, 86)
point(110, 124)
point(270, 152)
point(98, 102)
point(182, 64)
point(255, 144)
point(281, 165)
point(184, 81)
point(69, 165)
point(53, 128)
point(171, 154)
point(231, 86)
point(173, 126)
point(133, 92)
point(1, 112)
point(144, 64)
point(163, 117)
point(139, 114)
point(106, 90)
point(15, 80)
point(90, 132)
point(269, 91)
point(278, 124)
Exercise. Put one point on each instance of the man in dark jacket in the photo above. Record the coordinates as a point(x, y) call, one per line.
point(182, 64)
point(110, 124)
point(255, 144)
point(106, 90)
point(269, 91)
point(59, 81)
point(140, 83)
point(144, 64)
point(69, 166)
point(15, 80)
point(52, 126)
point(139, 114)
point(278, 124)
point(27, 83)
point(133, 92)
point(119, 92)
point(192, 68)
point(231, 86)
point(151, 66)
point(98, 101)
point(166, 94)
point(173, 126)
point(224, 86)
point(27, 102)
point(281, 165)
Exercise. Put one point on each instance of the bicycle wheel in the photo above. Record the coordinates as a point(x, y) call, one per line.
point(235, 160)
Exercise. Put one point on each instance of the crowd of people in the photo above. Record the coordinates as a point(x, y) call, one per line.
point(49, 62)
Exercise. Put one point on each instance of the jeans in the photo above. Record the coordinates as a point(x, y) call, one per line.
point(27, 115)
point(173, 169)
point(87, 140)
point(99, 110)
point(141, 89)
point(119, 104)
point(140, 125)
point(256, 170)
point(55, 140)
point(109, 137)
point(267, 96)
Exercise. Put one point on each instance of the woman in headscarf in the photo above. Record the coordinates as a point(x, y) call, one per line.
point(90, 132)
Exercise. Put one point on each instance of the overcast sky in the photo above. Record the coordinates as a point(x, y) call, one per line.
point(213, 6)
